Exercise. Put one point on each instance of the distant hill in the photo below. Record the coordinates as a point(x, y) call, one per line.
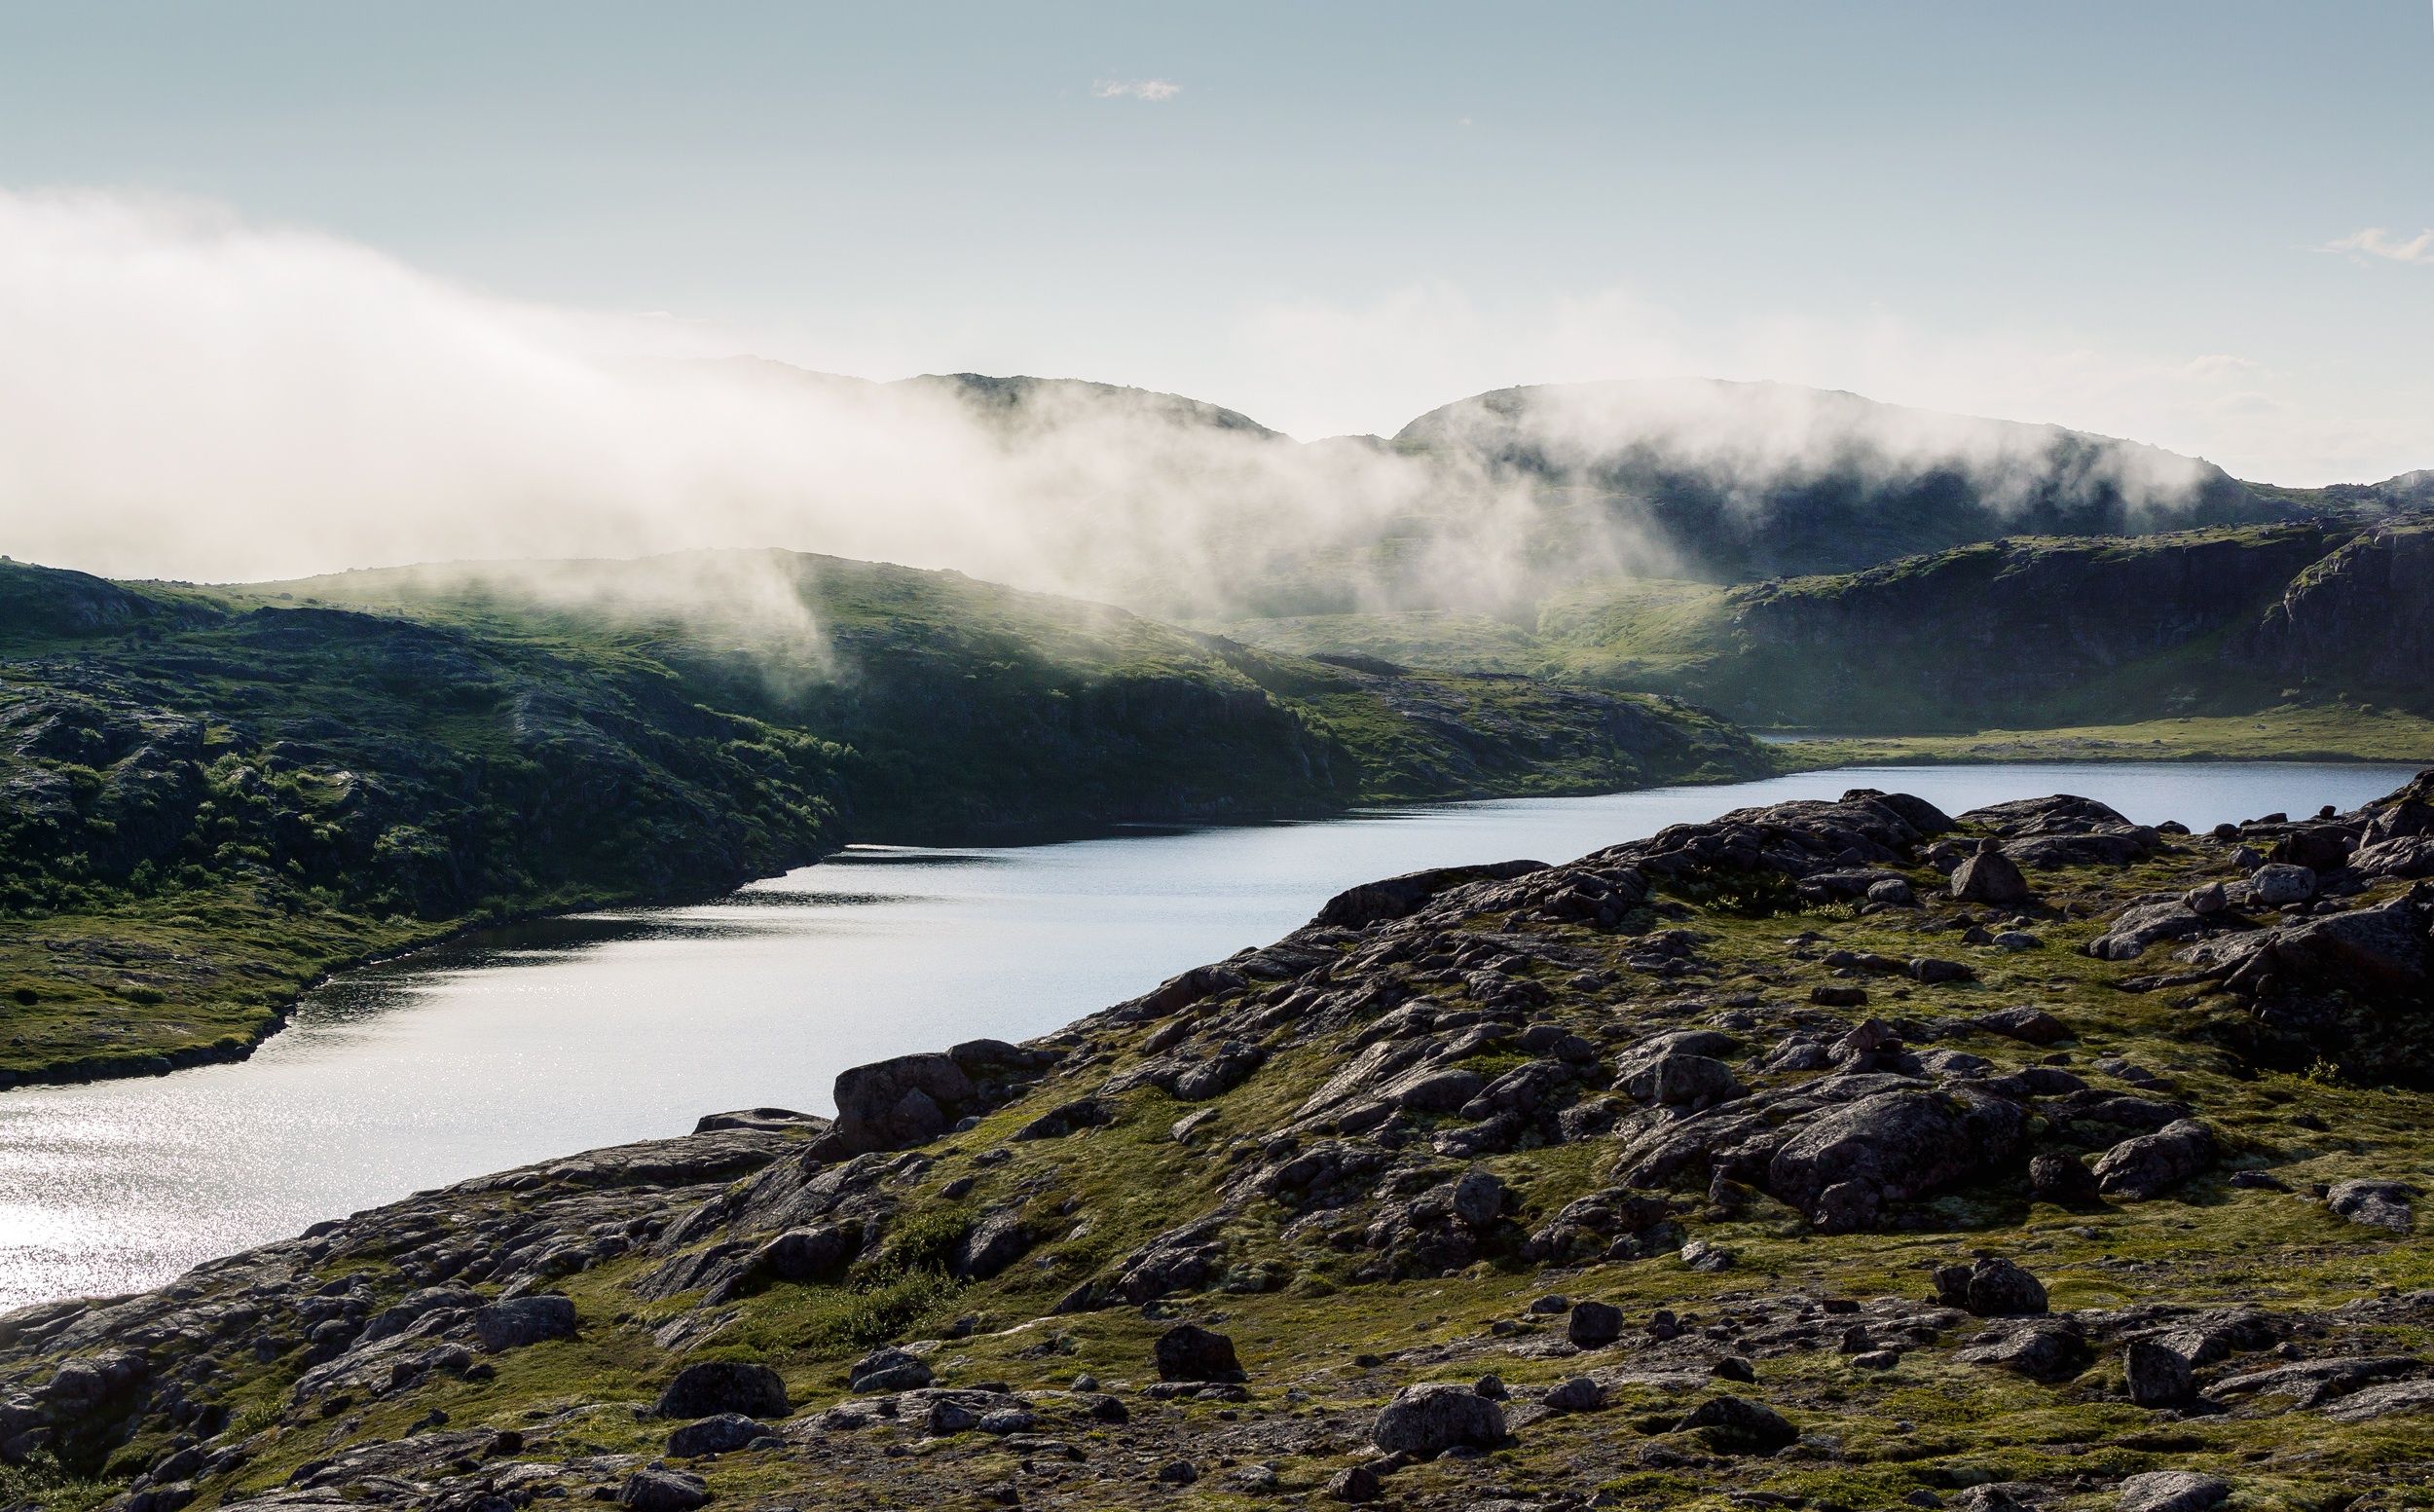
point(1497, 503)
point(211, 795)
point(2025, 632)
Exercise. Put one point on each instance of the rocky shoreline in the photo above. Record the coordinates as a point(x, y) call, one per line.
point(1830, 1155)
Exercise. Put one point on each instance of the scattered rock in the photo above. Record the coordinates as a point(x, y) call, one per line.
point(2042, 1351)
point(524, 1321)
point(886, 1370)
point(1579, 1394)
point(1700, 1255)
point(1356, 1485)
point(1738, 1425)
point(1593, 1325)
point(1992, 1287)
point(717, 1387)
point(2141, 1170)
point(1426, 1420)
point(662, 1491)
point(2157, 1377)
point(1479, 1198)
point(715, 1435)
point(2380, 1204)
point(1189, 1353)
point(2062, 1179)
point(2171, 1491)
point(2277, 884)
point(2032, 1025)
point(1990, 877)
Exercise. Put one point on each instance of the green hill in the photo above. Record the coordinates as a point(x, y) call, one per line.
point(2019, 634)
point(216, 796)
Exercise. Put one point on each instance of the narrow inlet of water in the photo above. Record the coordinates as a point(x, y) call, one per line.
point(560, 1036)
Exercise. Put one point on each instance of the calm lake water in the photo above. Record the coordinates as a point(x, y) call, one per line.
point(557, 1037)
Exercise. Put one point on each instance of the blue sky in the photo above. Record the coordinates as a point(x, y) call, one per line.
point(2128, 217)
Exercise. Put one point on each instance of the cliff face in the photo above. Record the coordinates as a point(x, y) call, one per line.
point(2000, 632)
point(2362, 618)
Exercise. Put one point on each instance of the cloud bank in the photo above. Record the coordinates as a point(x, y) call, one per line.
point(186, 395)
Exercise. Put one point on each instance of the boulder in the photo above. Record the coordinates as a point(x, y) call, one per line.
point(717, 1387)
point(1895, 1145)
point(2041, 1352)
point(2157, 1377)
point(2316, 847)
point(890, 1104)
point(800, 1254)
point(2171, 1491)
point(2138, 929)
point(1479, 1198)
point(1189, 1353)
point(1992, 1287)
point(1593, 1325)
point(995, 1242)
point(2062, 1179)
point(766, 1121)
point(726, 1433)
point(524, 1321)
point(662, 1491)
point(1356, 1485)
point(1932, 971)
point(2377, 953)
point(2033, 1025)
point(1738, 1425)
point(886, 1370)
point(1426, 1420)
point(1395, 898)
point(1990, 877)
point(1677, 1080)
point(2380, 1204)
point(1579, 1394)
point(2141, 1170)
point(2277, 883)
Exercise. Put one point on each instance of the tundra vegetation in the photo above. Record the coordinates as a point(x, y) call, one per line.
point(1833, 1154)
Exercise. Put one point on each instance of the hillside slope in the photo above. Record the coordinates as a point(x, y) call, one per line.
point(2020, 633)
point(215, 797)
point(1764, 1162)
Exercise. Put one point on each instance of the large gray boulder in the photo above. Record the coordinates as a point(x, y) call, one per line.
point(995, 1242)
point(2378, 1204)
point(1990, 876)
point(524, 1321)
point(2140, 928)
point(715, 1387)
point(2141, 1170)
point(1892, 1146)
point(2172, 1490)
point(1738, 1425)
point(890, 1104)
point(1427, 1419)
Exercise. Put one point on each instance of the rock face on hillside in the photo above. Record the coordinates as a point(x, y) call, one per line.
point(2362, 618)
point(1564, 1171)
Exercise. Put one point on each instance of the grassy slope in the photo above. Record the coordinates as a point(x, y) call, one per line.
point(343, 769)
point(1302, 1326)
point(1982, 653)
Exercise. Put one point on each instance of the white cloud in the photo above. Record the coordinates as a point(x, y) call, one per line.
point(2375, 241)
point(1328, 366)
point(1151, 89)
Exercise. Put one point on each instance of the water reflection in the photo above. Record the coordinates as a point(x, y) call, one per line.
point(539, 1039)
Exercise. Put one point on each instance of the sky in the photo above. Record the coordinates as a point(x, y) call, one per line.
point(2205, 225)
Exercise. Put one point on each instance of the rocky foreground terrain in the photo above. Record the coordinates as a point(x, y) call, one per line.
point(1828, 1156)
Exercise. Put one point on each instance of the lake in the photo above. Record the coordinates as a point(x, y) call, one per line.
point(549, 1037)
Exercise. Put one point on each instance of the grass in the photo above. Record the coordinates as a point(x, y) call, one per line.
point(2328, 732)
point(1299, 1319)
